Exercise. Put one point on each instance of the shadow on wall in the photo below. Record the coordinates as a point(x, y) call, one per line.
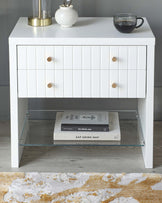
point(158, 103)
point(4, 103)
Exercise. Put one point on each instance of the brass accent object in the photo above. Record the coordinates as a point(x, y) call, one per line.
point(49, 59)
point(114, 85)
point(49, 85)
point(114, 59)
point(39, 22)
point(41, 13)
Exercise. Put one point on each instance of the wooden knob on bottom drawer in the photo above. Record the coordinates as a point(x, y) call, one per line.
point(114, 59)
point(114, 85)
point(49, 59)
point(49, 85)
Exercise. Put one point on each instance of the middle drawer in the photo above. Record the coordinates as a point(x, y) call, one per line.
point(81, 57)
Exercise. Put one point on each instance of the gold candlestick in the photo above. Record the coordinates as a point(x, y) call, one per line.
point(39, 9)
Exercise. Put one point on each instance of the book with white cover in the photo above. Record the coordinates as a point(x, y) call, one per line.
point(84, 117)
point(112, 135)
point(85, 121)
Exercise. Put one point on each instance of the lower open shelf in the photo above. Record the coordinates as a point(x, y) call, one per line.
point(38, 132)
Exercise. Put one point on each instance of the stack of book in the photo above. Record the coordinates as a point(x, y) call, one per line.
point(87, 126)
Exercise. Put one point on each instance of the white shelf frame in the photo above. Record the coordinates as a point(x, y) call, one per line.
point(18, 107)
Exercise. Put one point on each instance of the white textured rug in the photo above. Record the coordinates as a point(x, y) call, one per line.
point(80, 188)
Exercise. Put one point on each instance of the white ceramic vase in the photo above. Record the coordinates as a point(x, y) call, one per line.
point(66, 16)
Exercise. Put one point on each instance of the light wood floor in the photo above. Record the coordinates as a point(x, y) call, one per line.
point(80, 159)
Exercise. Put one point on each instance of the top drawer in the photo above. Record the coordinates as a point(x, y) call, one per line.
point(81, 57)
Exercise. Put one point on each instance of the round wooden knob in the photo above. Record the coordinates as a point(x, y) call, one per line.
point(49, 59)
point(114, 85)
point(49, 85)
point(114, 59)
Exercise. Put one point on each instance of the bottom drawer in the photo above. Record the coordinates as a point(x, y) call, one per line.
point(82, 83)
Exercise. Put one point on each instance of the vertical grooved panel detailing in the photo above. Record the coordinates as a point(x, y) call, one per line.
point(40, 57)
point(114, 79)
point(114, 53)
point(59, 57)
point(59, 83)
point(86, 57)
point(22, 83)
point(77, 57)
point(50, 83)
point(95, 83)
point(49, 57)
point(68, 83)
point(82, 71)
point(32, 83)
point(31, 57)
point(40, 83)
point(68, 56)
point(22, 57)
point(123, 57)
point(132, 57)
point(77, 83)
point(86, 83)
point(95, 57)
point(132, 83)
point(123, 83)
point(141, 57)
point(141, 83)
point(104, 83)
point(105, 57)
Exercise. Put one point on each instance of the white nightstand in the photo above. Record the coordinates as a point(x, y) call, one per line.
point(90, 60)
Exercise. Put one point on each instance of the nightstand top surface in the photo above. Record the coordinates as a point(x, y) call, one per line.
point(95, 30)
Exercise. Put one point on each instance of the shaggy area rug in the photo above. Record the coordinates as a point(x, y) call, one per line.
point(80, 188)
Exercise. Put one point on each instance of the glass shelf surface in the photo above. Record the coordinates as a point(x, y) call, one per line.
point(39, 132)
